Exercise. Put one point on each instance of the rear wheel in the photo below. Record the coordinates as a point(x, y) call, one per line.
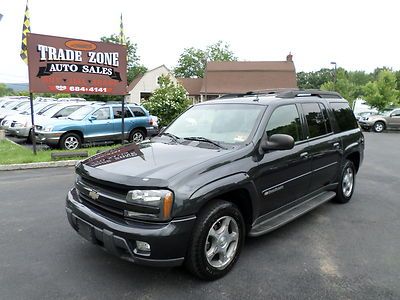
point(347, 181)
point(70, 141)
point(379, 126)
point(136, 136)
point(216, 241)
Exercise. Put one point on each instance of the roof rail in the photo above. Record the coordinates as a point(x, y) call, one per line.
point(305, 93)
point(249, 94)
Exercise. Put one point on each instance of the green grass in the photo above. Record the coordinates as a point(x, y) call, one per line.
point(11, 153)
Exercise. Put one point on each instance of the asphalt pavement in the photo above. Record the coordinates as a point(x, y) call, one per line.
point(349, 251)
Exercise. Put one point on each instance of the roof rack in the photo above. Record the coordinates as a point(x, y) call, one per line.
point(249, 94)
point(306, 93)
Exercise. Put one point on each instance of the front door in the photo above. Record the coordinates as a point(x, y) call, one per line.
point(393, 122)
point(284, 176)
point(99, 128)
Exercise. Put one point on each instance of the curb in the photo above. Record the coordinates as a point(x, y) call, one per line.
point(39, 165)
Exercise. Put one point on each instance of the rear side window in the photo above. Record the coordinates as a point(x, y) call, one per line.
point(344, 116)
point(117, 111)
point(285, 120)
point(315, 120)
point(137, 111)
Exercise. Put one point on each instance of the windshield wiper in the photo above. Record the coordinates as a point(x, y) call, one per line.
point(173, 136)
point(203, 139)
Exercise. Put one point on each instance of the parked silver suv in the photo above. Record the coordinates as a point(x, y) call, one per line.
point(387, 120)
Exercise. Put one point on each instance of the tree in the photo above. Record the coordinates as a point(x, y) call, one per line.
point(4, 90)
point(134, 68)
point(192, 61)
point(343, 86)
point(168, 101)
point(314, 80)
point(382, 92)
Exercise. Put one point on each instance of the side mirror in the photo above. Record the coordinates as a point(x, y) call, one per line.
point(92, 118)
point(277, 142)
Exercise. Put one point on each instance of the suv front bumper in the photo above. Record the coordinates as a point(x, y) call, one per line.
point(168, 241)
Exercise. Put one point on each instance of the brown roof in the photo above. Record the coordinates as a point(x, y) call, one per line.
point(191, 85)
point(134, 82)
point(244, 76)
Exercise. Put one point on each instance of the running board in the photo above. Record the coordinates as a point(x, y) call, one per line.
point(291, 214)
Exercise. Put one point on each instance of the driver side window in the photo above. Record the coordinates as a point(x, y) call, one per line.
point(285, 120)
point(102, 113)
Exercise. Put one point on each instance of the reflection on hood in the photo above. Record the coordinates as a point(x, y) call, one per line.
point(114, 155)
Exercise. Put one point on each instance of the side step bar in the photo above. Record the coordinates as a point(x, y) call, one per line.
point(291, 214)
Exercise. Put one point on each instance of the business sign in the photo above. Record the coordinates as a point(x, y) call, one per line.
point(66, 65)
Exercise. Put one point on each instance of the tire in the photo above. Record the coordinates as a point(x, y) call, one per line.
point(379, 126)
point(347, 182)
point(136, 136)
point(219, 226)
point(70, 141)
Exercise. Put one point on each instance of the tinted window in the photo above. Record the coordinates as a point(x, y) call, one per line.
point(117, 111)
point(396, 113)
point(102, 113)
point(344, 116)
point(137, 111)
point(315, 119)
point(326, 118)
point(285, 120)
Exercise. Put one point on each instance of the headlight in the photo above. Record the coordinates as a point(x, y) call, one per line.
point(150, 204)
point(48, 129)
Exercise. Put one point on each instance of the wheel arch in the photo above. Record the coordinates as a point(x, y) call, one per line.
point(236, 189)
point(355, 158)
point(76, 131)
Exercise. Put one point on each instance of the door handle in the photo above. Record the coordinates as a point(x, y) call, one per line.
point(304, 155)
point(336, 145)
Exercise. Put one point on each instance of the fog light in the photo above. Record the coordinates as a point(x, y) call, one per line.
point(142, 246)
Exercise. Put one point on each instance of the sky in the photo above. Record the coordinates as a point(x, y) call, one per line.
point(357, 35)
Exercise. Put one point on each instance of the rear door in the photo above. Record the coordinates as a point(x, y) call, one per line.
point(325, 147)
point(117, 121)
point(284, 176)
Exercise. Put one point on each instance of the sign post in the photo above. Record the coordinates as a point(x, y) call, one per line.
point(68, 65)
point(32, 132)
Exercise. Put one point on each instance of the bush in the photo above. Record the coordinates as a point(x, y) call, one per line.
point(168, 101)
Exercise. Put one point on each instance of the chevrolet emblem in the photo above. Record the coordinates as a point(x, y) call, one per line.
point(94, 195)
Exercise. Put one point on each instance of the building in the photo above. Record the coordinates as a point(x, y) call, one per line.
point(143, 85)
point(232, 77)
point(221, 77)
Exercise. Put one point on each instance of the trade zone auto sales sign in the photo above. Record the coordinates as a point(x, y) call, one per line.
point(73, 66)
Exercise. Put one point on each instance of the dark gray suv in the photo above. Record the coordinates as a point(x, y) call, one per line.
point(225, 169)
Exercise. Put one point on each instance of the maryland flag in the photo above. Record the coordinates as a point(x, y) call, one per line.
point(121, 33)
point(26, 28)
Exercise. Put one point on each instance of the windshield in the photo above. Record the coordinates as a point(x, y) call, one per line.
point(81, 113)
point(226, 123)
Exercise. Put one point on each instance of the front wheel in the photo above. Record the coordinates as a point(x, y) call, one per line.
point(346, 184)
point(70, 141)
point(379, 126)
point(217, 241)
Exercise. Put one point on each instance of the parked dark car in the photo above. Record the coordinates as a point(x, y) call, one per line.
point(223, 170)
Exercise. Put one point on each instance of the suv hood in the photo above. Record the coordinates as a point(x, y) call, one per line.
point(146, 164)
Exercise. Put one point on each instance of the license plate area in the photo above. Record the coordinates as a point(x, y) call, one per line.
point(85, 230)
